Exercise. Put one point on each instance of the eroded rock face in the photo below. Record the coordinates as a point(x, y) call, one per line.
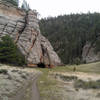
point(89, 55)
point(24, 29)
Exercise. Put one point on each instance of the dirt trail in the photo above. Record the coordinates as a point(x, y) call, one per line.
point(18, 83)
point(35, 91)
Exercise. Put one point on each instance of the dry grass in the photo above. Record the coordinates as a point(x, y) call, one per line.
point(88, 68)
point(49, 87)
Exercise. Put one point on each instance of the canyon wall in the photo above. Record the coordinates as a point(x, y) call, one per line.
point(89, 54)
point(23, 27)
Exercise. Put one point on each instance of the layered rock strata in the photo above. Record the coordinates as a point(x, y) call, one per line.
point(89, 54)
point(23, 27)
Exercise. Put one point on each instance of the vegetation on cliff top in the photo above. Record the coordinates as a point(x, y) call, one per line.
point(16, 3)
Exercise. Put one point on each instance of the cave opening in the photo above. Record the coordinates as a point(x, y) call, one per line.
point(41, 65)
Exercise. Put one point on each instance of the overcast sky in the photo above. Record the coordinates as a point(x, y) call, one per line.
point(59, 7)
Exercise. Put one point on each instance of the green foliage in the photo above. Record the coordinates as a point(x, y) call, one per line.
point(14, 2)
point(25, 5)
point(68, 78)
point(87, 84)
point(9, 53)
point(77, 61)
point(3, 71)
point(69, 33)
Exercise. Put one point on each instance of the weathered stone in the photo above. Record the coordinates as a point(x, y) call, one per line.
point(89, 55)
point(24, 29)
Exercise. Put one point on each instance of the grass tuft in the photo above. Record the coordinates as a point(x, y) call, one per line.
point(87, 84)
point(3, 71)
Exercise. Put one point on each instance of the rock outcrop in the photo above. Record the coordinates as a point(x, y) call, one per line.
point(23, 27)
point(89, 55)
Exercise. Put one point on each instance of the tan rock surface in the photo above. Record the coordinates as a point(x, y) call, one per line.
point(23, 27)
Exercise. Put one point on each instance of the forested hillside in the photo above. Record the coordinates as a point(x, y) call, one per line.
point(69, 34)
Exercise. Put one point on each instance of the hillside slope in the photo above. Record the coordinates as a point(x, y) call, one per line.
point(70, 33)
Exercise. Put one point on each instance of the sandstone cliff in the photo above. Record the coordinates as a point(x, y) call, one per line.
point(89, 55)
point(23, 27)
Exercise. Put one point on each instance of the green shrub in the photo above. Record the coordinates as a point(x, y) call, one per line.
point(68, 78)
point(14, 2)
point(87, 84)
point(3, 71)
point(77, 61)
point(25, 5)
point(9, 53)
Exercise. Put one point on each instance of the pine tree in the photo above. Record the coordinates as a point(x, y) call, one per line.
point(25, 5)
point(9, 53)
point(70, 33)
point(13, 2)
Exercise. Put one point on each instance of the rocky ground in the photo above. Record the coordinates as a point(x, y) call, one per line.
point(59, 83)
point(17, 83)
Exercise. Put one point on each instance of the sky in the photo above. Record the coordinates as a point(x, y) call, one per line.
point(48, 8)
